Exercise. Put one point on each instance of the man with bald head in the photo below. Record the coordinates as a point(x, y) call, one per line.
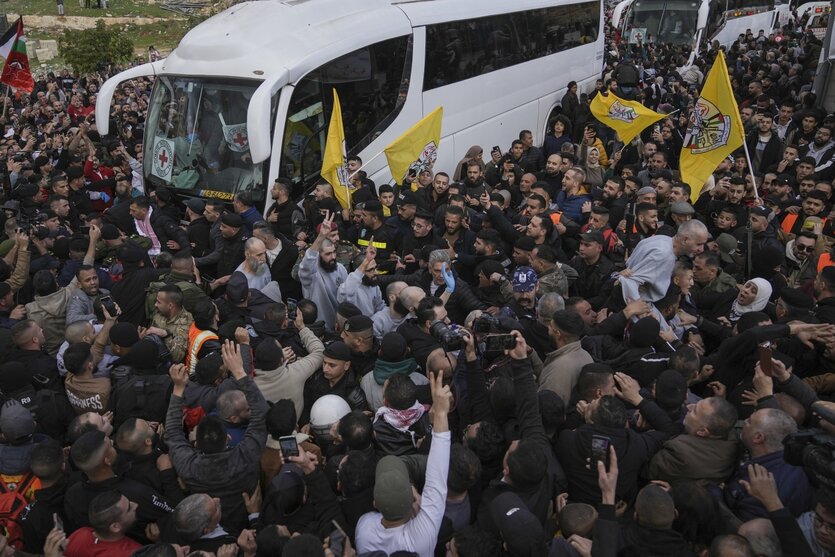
point(254, 266)
point(552, 175)
point(138, 443)
point(395, 313)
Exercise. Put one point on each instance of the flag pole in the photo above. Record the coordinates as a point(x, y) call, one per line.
point(351, 175)
point(7, 100)
point(750, 168)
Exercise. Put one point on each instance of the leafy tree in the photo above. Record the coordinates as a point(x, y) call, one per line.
point(85, 49)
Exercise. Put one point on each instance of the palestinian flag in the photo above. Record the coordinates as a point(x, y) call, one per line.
point(16, 71)
point(9, 37)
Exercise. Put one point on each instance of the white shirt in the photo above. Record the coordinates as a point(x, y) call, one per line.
point(420, 533)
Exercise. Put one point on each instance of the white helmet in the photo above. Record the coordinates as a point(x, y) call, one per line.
point(326, 411)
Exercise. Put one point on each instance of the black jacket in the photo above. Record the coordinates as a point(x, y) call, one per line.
point(152, 505)
point(288, 214)
point(199, 236)
point(771, 154)
point(129, 293)
point(281, 267)
point(318, 386)
point(36, 520)
point(231, 253)
point(166, 229)
point(143, 469)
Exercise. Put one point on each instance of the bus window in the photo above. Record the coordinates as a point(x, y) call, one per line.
point(372, 84)
point(459, 50)
point(198, 138)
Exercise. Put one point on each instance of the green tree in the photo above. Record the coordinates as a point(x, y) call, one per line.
point(85, 49)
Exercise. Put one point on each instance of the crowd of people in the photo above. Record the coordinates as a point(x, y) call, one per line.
point(553, 350)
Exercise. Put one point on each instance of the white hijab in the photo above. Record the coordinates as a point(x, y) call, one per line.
point(759, 303)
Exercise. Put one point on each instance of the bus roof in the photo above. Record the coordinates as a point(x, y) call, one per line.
point(253, 40)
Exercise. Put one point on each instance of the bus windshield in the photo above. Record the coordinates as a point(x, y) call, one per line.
point(662, 21)
point(197, 138)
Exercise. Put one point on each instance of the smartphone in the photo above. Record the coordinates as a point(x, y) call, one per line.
point(337, 539)
point(765, 358)
point(84, 229)
point(289, 446)
point(108, 304)
point(291, 309)
point(59, 524)
point(600, 450)
point(496, 149)
point(499, 342)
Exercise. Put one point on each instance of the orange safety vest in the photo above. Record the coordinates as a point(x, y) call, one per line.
point(825, 260)
point(791, 220)
point(196, 339)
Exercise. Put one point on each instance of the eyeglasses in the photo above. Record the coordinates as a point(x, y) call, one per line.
point(821, 523)
point(808, 249)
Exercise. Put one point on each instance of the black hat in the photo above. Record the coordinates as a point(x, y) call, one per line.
point(5, 288)
point(670, 390)
point(393, 347)
point(593, 236)
point(347, 310)
point(109, 232)
point(131, 254)
point(196, 205)
point(142, 355)
point(232, 219)
point(338, 350)
point(26, 191)
point(761, 211)
point(644, 332)
point(358, 324)
point(237, 289)
point(408, 197)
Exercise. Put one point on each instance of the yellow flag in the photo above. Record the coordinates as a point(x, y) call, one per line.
point(417, 149)
point(715, 129)
point(628, 118)
point(334, 159)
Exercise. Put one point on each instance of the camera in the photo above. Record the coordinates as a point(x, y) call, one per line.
point(449, 338)
point(487, 324)
point(814, 450)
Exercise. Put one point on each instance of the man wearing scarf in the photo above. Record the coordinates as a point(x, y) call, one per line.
point(163, 232)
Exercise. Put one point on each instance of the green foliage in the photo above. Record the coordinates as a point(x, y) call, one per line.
point(84, 50)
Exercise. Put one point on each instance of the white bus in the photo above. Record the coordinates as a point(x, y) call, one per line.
point(694, 22)
point(246, 96)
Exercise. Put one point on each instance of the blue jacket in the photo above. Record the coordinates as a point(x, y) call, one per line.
point(792, 485)
point(572, 205)
point(250, 217)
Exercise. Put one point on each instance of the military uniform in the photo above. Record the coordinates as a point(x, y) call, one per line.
point(177, 328)
point(553, 281)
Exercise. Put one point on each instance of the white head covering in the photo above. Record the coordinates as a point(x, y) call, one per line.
point(759, 303)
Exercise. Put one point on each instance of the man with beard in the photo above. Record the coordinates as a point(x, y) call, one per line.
point(799, 267)
point(361, 287)
point(552, 175)
point(375, 233)
point(438, 193)
point(283, 213)
point(321, 275)
point(614, 199)
point(474, 183)
point(255, 266)
point(524, 293)
point(458, 238)
point(400, 225)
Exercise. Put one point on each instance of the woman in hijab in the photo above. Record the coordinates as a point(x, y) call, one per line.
point(595, 174)
point(753, 296)
point(473, 154)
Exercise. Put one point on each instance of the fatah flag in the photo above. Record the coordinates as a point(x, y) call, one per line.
point(628, 118)
point(16, 71)
point(417, 149)
point(715, 129)
point(334, 162)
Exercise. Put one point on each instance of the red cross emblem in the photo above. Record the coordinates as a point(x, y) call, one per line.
point(163, 158)
point(240, 139)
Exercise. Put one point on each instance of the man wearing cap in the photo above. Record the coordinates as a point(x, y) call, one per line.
point(395, 525)
point(361, 287)
point(358, 334)
point(335, 378)
point(594, 270)
point(374, 230)
point(199, 228)
point(400, 225)
point(681, 212)
point(562, 366)
point(230, 252)
point(164, 233)
point(18, 427)
point(764, 233)
point(321, 275)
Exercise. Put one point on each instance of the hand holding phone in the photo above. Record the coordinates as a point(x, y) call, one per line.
point(289, 446)
point(600, 450)
point(765, 353)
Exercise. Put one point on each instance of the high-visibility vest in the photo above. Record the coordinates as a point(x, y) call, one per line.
point(825, 260)
point(196, 339)
point(791, 220)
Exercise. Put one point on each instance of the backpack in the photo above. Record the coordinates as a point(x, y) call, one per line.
point(143, 396)
point(12, 503)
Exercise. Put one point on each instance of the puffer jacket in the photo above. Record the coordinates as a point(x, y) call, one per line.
point(50, 313)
